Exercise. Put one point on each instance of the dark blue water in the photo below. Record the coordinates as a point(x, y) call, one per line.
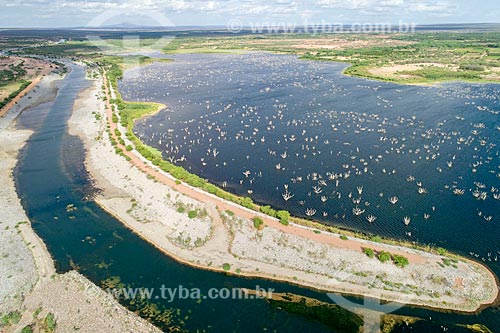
point(50, 176)
point(305, 126)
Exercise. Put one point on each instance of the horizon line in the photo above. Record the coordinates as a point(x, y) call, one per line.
point(219, 26)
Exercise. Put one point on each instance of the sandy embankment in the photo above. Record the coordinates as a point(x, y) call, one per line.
point(396, 71)
point(147, 201)
point(28, 280)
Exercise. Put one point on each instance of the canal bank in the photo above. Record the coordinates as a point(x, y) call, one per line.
point(31, 290)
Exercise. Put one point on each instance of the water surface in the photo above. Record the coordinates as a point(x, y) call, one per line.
point(260, 125)
point(50, 176)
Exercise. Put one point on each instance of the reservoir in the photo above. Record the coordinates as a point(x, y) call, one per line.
point(56, 191)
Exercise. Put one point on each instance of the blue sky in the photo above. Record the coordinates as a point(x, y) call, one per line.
point(71, 13)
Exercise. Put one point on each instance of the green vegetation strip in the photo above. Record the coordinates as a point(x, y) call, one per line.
point(24, 85)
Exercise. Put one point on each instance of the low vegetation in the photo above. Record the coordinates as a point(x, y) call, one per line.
point(49, 323)
point(27, 329)
point(192, 211)
point(23, 85)
point(384, 256)
point(369, 252)
point(12, 73)
point(192, 214)
point(400, 261)
point(258, 223)
point(10, 318)
point(282, 215)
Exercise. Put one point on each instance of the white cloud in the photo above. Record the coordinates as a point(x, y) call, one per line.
point(200, 12)
point(403, 5)
point(348, 4)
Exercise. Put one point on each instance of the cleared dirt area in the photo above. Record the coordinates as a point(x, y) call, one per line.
point(33, 67)
point(342, 44)
point(394, 71)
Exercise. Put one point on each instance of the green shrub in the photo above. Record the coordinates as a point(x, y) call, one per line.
point(192, 214)
point(343, 237)
point(447, 261)
point(283, 216)
point(400, 261)
point(226, 267)
point(50, 323)
point(441, 251)
point(37, 312)
point(129, 148)
point(369, 252)
point(268, 211)
point(384, 256)
point(258, 223)
point(471, 67)
point(246, 202)
point(437, 73)
point(27, 329)
point(11, 318)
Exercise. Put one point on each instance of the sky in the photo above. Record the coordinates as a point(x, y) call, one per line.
point(81, 13)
